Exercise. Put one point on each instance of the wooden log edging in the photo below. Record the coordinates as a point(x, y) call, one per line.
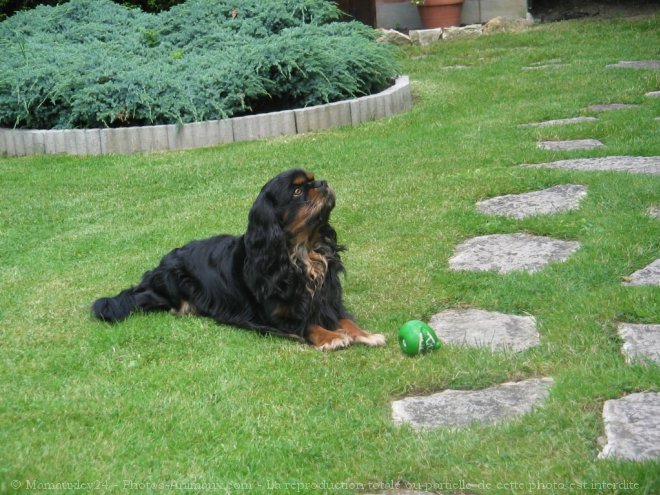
point(123, 140)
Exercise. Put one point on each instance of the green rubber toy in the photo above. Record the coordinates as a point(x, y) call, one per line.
point(416, 337)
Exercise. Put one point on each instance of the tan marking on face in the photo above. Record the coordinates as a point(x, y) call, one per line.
point(299, 181)
point(310, 176)
point(310, 209)
point(313, 195)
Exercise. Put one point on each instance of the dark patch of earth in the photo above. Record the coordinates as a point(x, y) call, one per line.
point(558, 10)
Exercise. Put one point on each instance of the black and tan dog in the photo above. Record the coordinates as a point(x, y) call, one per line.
point(281, 277)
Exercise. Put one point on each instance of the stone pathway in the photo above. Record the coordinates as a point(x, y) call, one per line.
point(461, 408)
point(632, 164)
point(504, 253)
point(552, 200)
point(653, 94)
point(649, 275)
point(632, 428)
point(631, 423)
point(478, 328)
point(641, 342)
point(573, 145)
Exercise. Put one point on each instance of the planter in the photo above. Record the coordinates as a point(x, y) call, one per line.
point(440, 13)
point(122, 140)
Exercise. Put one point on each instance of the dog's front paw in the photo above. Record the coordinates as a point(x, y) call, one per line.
point(339, 342)
point(326, 340)
point(371, 339)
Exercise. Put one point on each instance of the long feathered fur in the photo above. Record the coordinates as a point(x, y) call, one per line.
point(281, 277)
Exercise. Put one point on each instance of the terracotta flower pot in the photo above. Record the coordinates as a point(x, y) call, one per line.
point(440, 13)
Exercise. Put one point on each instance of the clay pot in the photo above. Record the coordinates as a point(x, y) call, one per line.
point(440, 13)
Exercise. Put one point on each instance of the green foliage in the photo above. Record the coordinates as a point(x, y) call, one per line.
point(91, 63)
point(8, 7)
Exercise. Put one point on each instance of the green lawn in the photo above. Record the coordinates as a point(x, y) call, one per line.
point(159, 399)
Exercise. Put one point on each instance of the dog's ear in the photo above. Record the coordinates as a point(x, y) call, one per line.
point(265, 245)
point(264, 232)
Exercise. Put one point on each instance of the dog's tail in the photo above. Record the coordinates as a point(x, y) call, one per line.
point(116, 308)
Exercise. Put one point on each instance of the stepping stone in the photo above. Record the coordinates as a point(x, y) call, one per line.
point(649, 275)
point(553, 200)
point(478, 328)
point(549, 66)
point(548, 123)
point(504, 253)
point(653, 94)
point(654, 211)
point(640, 342)
point(577, 144)
point(611, 106)
point(551, 61)
point(636, 64)
point(632, 427)
point(554, 63)
point(461, 408)
point(632, 164)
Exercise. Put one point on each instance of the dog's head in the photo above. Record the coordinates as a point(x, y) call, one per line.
point(295, 202)
point(288, 225)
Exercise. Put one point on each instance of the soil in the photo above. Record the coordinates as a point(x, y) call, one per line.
point(561, 10)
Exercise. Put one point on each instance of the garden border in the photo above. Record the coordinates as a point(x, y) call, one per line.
point(123, 140)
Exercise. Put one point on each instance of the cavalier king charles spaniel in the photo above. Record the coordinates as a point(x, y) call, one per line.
point(280, 278)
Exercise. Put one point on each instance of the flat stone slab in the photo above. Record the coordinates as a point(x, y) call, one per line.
point(641, 342)
point(543, 63)
point(576, 144)
point(632, 427)
point(636, 64)
point(653, 94)
point(479, 328)
point(461, 408)
point(607, 107)
point(455, 32)
point(552, 200)
point(504, 253)
point(545, 66)
point(425, 37)
point(654, 211)
point(632, 164)
point(649, 275)
point(548, 123)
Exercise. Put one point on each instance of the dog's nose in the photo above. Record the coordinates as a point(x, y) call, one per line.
point(319, 183)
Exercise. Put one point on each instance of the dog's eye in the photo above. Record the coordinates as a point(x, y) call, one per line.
point(297, 191)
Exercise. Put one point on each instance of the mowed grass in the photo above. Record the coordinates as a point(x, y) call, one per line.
point(159, 402)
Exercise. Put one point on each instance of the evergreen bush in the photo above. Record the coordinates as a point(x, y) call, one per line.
point(93, 63)
point(8, 7)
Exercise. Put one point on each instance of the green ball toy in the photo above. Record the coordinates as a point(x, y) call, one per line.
point(416, 337)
